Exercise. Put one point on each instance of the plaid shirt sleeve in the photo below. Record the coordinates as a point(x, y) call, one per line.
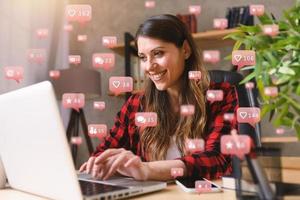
point(210, 163)
point(123, 132)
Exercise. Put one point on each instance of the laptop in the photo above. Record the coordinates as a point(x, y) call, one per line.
point(36, 155)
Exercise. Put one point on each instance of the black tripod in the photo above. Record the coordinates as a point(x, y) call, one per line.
point(73, 131)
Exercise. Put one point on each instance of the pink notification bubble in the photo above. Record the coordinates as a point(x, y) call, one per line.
point(280, 131)
point(257, 10)
point(73, 100)
point(228, 117)
point(145, 119)
point(120, 84)
point(194, 75)
point(99, 105)
point(202, 186)
point(76, 140)
point(149, 4)
point(243, 57)
point(220, 23)
point(249, 85)
point(36, 55)
point(211, 56)
point(14, 73)
point(187, 110)
point(176, 172)
point(54, 74)
point(68, 27)
point(238, 145)
point(250, 115)
point(104, 60)
point(42, 33)
point(74, 59)
point(81, 38)
point(109, 41)
point(214, 95)
point(194, 145)
point(195, 9)
point(271, 91)
point(271, 30)
point(81, 13)
point(97, 130)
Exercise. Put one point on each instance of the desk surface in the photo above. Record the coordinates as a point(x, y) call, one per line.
point(171, 192)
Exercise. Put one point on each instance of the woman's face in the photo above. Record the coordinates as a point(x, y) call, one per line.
point(162, 61)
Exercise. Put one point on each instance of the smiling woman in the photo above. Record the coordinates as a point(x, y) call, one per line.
point(168, 53)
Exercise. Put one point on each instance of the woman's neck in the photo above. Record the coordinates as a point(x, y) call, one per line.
point(174, 97)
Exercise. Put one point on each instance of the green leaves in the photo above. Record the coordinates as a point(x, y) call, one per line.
point(277, 63)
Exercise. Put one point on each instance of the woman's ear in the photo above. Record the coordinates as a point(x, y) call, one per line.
point(186, 49)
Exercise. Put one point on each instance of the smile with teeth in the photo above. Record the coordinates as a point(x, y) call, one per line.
point(158, 76)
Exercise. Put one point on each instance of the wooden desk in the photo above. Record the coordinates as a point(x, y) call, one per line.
point(171, 192)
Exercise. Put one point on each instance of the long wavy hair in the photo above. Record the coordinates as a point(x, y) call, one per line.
point(156, 140)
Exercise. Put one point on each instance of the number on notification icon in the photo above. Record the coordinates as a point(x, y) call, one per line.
point(146, 119)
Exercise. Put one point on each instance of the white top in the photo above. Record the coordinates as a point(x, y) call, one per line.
point(173, 151)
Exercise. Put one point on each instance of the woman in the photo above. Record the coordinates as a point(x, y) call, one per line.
point(167, 53)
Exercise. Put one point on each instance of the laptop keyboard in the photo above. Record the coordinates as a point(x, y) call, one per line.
point(92, 188)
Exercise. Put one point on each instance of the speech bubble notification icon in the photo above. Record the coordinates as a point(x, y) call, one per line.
point(176, 172)
point(228, 117)
point(104, 60)
point(271, 30)
point(99, 105)
point(75, 59)
point(195, 9)
point(250, 115)
point(76, 140)
point(54, 74)
point(243, 58)
point(220, 23)
point(187, 110)
point(73, 100)
point(109, 41)
point(194, 75)
point(202, 186)
point(257, 9)
point(97, 130)
point(146, 119)
point(37, 56)
point(211, 56)
point(194, 145)
point(271, 91)
point(42, 33)
point(214, 95)
point(14, 73)
point(120, 84)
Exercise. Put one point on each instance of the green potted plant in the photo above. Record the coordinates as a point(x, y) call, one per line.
point(277, 64)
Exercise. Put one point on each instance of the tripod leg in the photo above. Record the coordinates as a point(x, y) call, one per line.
point(85, 132)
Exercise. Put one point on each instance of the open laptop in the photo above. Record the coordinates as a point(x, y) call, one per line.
point(36, 155)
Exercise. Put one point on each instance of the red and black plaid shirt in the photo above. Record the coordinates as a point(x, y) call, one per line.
point(210, 163)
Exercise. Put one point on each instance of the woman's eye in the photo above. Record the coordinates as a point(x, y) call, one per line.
point(142, 58)
point(158, 53)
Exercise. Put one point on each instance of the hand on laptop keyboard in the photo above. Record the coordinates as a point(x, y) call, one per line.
point(116, 160)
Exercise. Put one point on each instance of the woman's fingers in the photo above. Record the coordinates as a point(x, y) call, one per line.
point(90, 164)
point(106, 154)
point(115, 165)
point(132, 161)
point(83, 167)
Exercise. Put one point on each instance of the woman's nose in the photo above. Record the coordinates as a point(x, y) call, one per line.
point(150, 65)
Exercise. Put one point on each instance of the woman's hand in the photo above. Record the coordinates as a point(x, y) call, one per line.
point(112, 161)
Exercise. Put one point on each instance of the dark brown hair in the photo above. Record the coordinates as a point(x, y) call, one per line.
point(156, 140)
